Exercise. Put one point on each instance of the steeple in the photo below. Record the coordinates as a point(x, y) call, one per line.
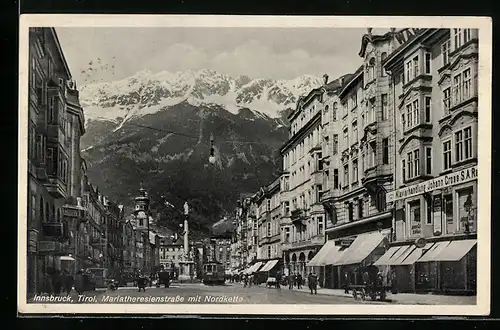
point(141, 209)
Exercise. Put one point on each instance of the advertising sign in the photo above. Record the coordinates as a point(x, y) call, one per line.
point(465, 175)
point(437, 214)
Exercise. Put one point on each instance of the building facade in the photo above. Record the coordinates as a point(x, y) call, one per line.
point(171, 253)
point(301, 185)
point(269, 221)
point(435, 99)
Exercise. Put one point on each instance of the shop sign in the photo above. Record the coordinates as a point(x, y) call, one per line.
point(46, 246)
point(346, 242)
point(437, 214)
point(465, 175)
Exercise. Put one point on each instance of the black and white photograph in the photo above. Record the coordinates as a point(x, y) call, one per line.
point(236, 165)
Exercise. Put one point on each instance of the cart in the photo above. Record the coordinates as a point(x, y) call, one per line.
point(372, 290)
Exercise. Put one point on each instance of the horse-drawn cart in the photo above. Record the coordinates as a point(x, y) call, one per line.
point(371, 290)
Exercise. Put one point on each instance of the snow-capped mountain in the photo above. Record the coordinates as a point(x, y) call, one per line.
point(147, 93)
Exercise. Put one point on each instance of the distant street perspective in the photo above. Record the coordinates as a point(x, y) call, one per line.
point(192, 178)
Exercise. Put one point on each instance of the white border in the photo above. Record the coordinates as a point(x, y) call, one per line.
point(484, 24)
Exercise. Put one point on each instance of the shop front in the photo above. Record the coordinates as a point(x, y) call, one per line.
point(435, 223)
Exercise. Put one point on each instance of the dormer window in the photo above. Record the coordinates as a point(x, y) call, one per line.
point(371, 69)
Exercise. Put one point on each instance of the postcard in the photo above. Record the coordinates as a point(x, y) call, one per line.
point(267, 165)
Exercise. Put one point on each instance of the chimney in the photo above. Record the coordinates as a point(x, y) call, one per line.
point(325, 79)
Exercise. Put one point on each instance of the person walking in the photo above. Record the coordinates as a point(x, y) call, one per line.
point(291, 280)
point(299, 281)
point(346, 283)
point(278, 280)
point(312, 281)
point(68, 281)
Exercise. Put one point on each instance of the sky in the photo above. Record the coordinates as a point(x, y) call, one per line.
point(107, 54)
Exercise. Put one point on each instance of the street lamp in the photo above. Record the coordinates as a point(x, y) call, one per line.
point(211, 159)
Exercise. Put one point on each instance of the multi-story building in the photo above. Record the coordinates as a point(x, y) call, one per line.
point(141, 219)
point(129, 250)
point(50, 177)
point(171, 253)
point(302, 183)
point(97, 240)
point(114, 249)
point(269, 226)
point(360, 120)
point(434, 95)
point(252, 233)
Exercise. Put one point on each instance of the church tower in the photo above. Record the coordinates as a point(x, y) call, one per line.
point(141, 210)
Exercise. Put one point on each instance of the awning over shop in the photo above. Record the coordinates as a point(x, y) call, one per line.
point(389, 256)
point(254, 268)
point(269, 265)
point(67, 258)
point(415, 254)
point(402, 257)
point(456, 250)
point(320, 257)
point(434, 252)
point(361, 248)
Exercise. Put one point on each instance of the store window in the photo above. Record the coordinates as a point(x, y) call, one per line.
point(415, 220)
point(448, 212)
point(466, 210)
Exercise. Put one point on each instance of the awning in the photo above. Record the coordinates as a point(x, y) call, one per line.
point(269, 265)
point(402, 257)
point(67, 258)
point(389, 256)
point(334, 255)
point(319, 258)
point(361, 248)
point(434, 252)
point(415, 254)
point(253, 268)
point(456, 250)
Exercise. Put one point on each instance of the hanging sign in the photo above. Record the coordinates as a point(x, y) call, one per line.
point(437, 214)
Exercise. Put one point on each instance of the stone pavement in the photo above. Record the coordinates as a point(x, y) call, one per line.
point(406, 298)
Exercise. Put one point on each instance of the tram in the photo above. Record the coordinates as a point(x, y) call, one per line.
point(214, 273)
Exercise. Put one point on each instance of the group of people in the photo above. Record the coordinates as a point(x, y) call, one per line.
point(56, 282)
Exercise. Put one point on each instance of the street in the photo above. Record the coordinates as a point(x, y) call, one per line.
point(230, 293)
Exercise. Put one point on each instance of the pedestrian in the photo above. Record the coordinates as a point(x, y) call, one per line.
point(291, 280)
point(299, 281)
point(315, 283)
point(310, 282)
point(278, 280)
point(68, 281)
point(394, 284)
point(366, 278)
point(346, 283)
point(79, 282)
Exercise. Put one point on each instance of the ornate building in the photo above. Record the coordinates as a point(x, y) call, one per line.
point(435, 99)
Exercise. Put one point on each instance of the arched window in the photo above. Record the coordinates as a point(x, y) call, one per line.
point(59, 215)
point(327, 108)
point(382, 58)
point(371, 69)
point(334, 111)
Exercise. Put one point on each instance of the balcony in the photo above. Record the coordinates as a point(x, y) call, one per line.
point(41, 172)
point(55, 132)
point(53, 229)
point(286, 246)
point(298, 216)
point(50, 248)
point(55, 186)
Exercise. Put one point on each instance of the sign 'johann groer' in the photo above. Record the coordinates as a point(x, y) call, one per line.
point(465, 175)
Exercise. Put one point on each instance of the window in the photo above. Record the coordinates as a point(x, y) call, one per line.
point(373, 154)
point(416, 160)
point(320, 226)
point(457, 35)
point(468, 142)
point(33, 207)
point(459, 146)
point(350, 211)
point(326, 108)
point(346, 175)
point(385, 150)
point(446, 98)
point(371, 112)
point(335, 144)
point(412, 69)
point(448, 207)
point(467, 35)
point(413, 113)
point(403, 121)
point(415, 217)
point(334, 111)
point(427, 109)
point(371, 70)
point(355, 131)
point(463, 144)
point(346, 137)
point(269, 252)
point(355, 171)
point(410, 164)
point(269, 229)
point(360, 208)
point(51, 161)
point(353, 100)
point(385, 108)
point(445, 52)
point(457, 89)
point(383, 56)
point(427, 64)
point(428, 160)
point(467, 85)
point(268, 205)
point(335, 178)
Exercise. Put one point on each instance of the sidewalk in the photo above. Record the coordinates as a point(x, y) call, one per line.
point(403, 298)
